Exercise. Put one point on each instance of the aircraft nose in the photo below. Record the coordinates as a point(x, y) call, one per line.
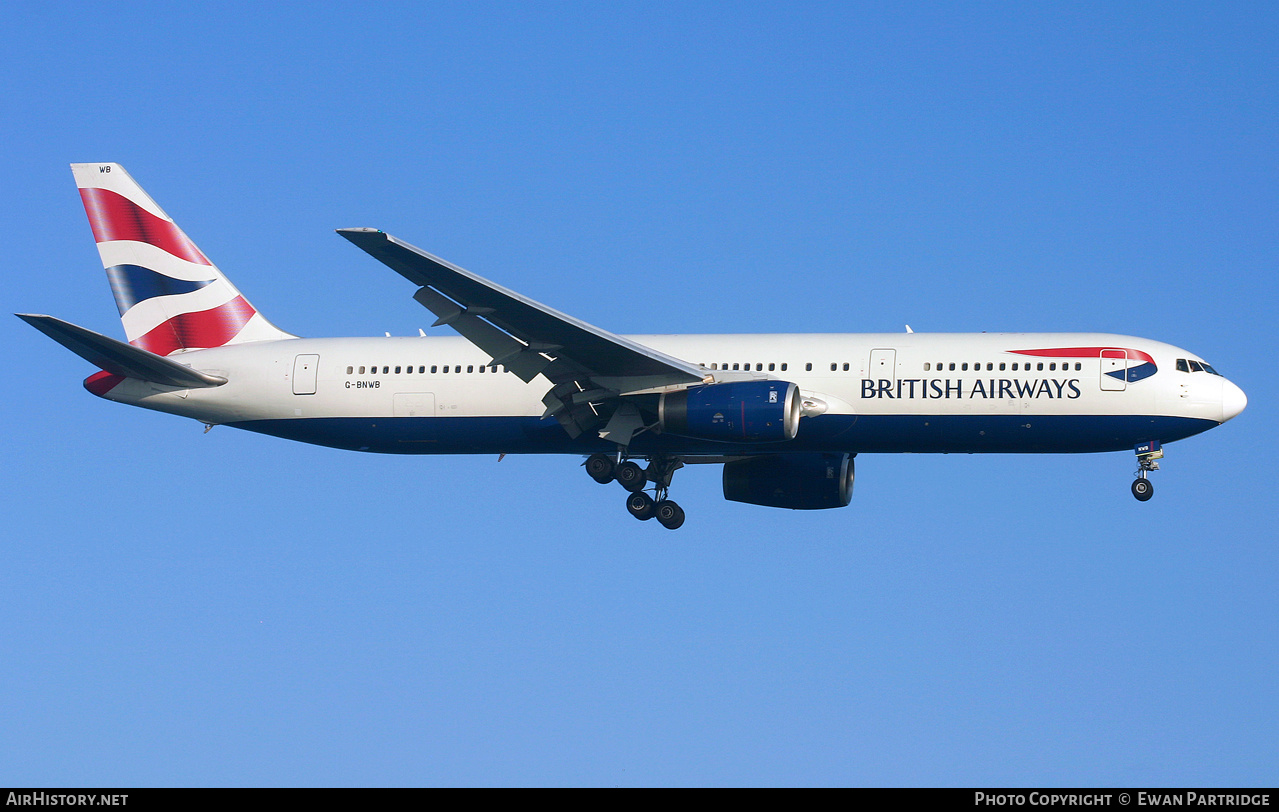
point(1233, 400)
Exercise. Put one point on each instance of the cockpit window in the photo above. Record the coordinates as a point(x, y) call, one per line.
point(1182, 366)
point(1195, 367)
point(1211, 371)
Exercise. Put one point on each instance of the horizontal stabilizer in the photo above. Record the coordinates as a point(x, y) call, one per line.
point(118, 357)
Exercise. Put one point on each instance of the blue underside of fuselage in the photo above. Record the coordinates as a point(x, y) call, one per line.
point(920, 434)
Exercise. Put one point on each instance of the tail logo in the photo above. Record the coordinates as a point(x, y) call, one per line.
point(170, 296)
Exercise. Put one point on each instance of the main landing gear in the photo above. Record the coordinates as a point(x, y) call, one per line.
point(627, 473)
point(1148, 455)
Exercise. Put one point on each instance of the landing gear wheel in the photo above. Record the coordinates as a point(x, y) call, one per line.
point(600, 468)
point(630, 476)
point(1142, 489)
point(669, 514)
point(641, 506)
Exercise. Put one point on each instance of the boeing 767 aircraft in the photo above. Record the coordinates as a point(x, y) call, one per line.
point(784, 414)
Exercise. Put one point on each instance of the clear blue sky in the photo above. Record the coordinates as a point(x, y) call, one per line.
point(231, 609)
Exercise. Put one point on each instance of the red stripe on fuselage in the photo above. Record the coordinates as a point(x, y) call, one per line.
point(200, 330)
point(114, 217)
point(1083, 352)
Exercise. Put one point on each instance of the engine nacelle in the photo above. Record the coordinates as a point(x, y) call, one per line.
point(795, 481)
point(740, 411)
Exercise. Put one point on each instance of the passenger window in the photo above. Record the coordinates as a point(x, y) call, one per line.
point(397, 370)
point(783, 367)
point(735, 366)
point(1078, 366)
point(845, 366)
point(434, 369)
point(1001, 366)
point(446, 369)
point(361, 370)
point(808, 367)
point(952, 366)
point(457, 368)
point(989, 366)
point(1052, 367)
point(833, 367)
point(1041, 366)
point(964, 367)
point(759, 367)
point(386, 370)
point(470, 368)
point(771, 367)
point(926, 366)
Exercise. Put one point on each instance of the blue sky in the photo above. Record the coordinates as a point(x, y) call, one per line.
point(229, 609)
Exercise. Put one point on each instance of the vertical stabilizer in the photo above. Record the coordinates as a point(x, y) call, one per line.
point(170, 296)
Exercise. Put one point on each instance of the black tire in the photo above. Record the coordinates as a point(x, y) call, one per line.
point(670, 514)
point(630, 476)
point(600, 468)
point(641, 506)
point(1142, 489)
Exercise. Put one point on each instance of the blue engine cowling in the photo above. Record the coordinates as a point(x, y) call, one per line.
point(795, 481)
point(742, 411)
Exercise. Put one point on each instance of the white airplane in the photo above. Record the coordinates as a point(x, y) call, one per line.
point(784, 414)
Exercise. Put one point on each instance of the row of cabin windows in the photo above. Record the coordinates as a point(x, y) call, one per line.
point(421, 370)
point(990, 366)
point(759, 367)
point(1182, 364)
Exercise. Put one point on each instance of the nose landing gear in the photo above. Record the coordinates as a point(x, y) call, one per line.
point(1148, 455)
point(603, 469)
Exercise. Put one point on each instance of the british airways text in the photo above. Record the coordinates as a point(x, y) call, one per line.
point(943, 388)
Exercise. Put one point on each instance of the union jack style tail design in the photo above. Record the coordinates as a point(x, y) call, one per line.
point(171, 297)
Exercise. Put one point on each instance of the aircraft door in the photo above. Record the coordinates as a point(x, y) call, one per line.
point(883, 365)
point(305, 368)
point(1114, 361)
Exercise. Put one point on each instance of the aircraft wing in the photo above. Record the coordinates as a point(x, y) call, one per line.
point(525, 336)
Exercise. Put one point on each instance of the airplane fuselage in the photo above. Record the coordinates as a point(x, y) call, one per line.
point(899, 392)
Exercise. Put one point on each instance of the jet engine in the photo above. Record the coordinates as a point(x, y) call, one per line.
point(740, 411)
point(795, 481)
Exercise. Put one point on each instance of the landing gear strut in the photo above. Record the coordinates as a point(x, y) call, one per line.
point(603, 469)
point(1148, 455)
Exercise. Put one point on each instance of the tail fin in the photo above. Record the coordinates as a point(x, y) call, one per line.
point(171, 297)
